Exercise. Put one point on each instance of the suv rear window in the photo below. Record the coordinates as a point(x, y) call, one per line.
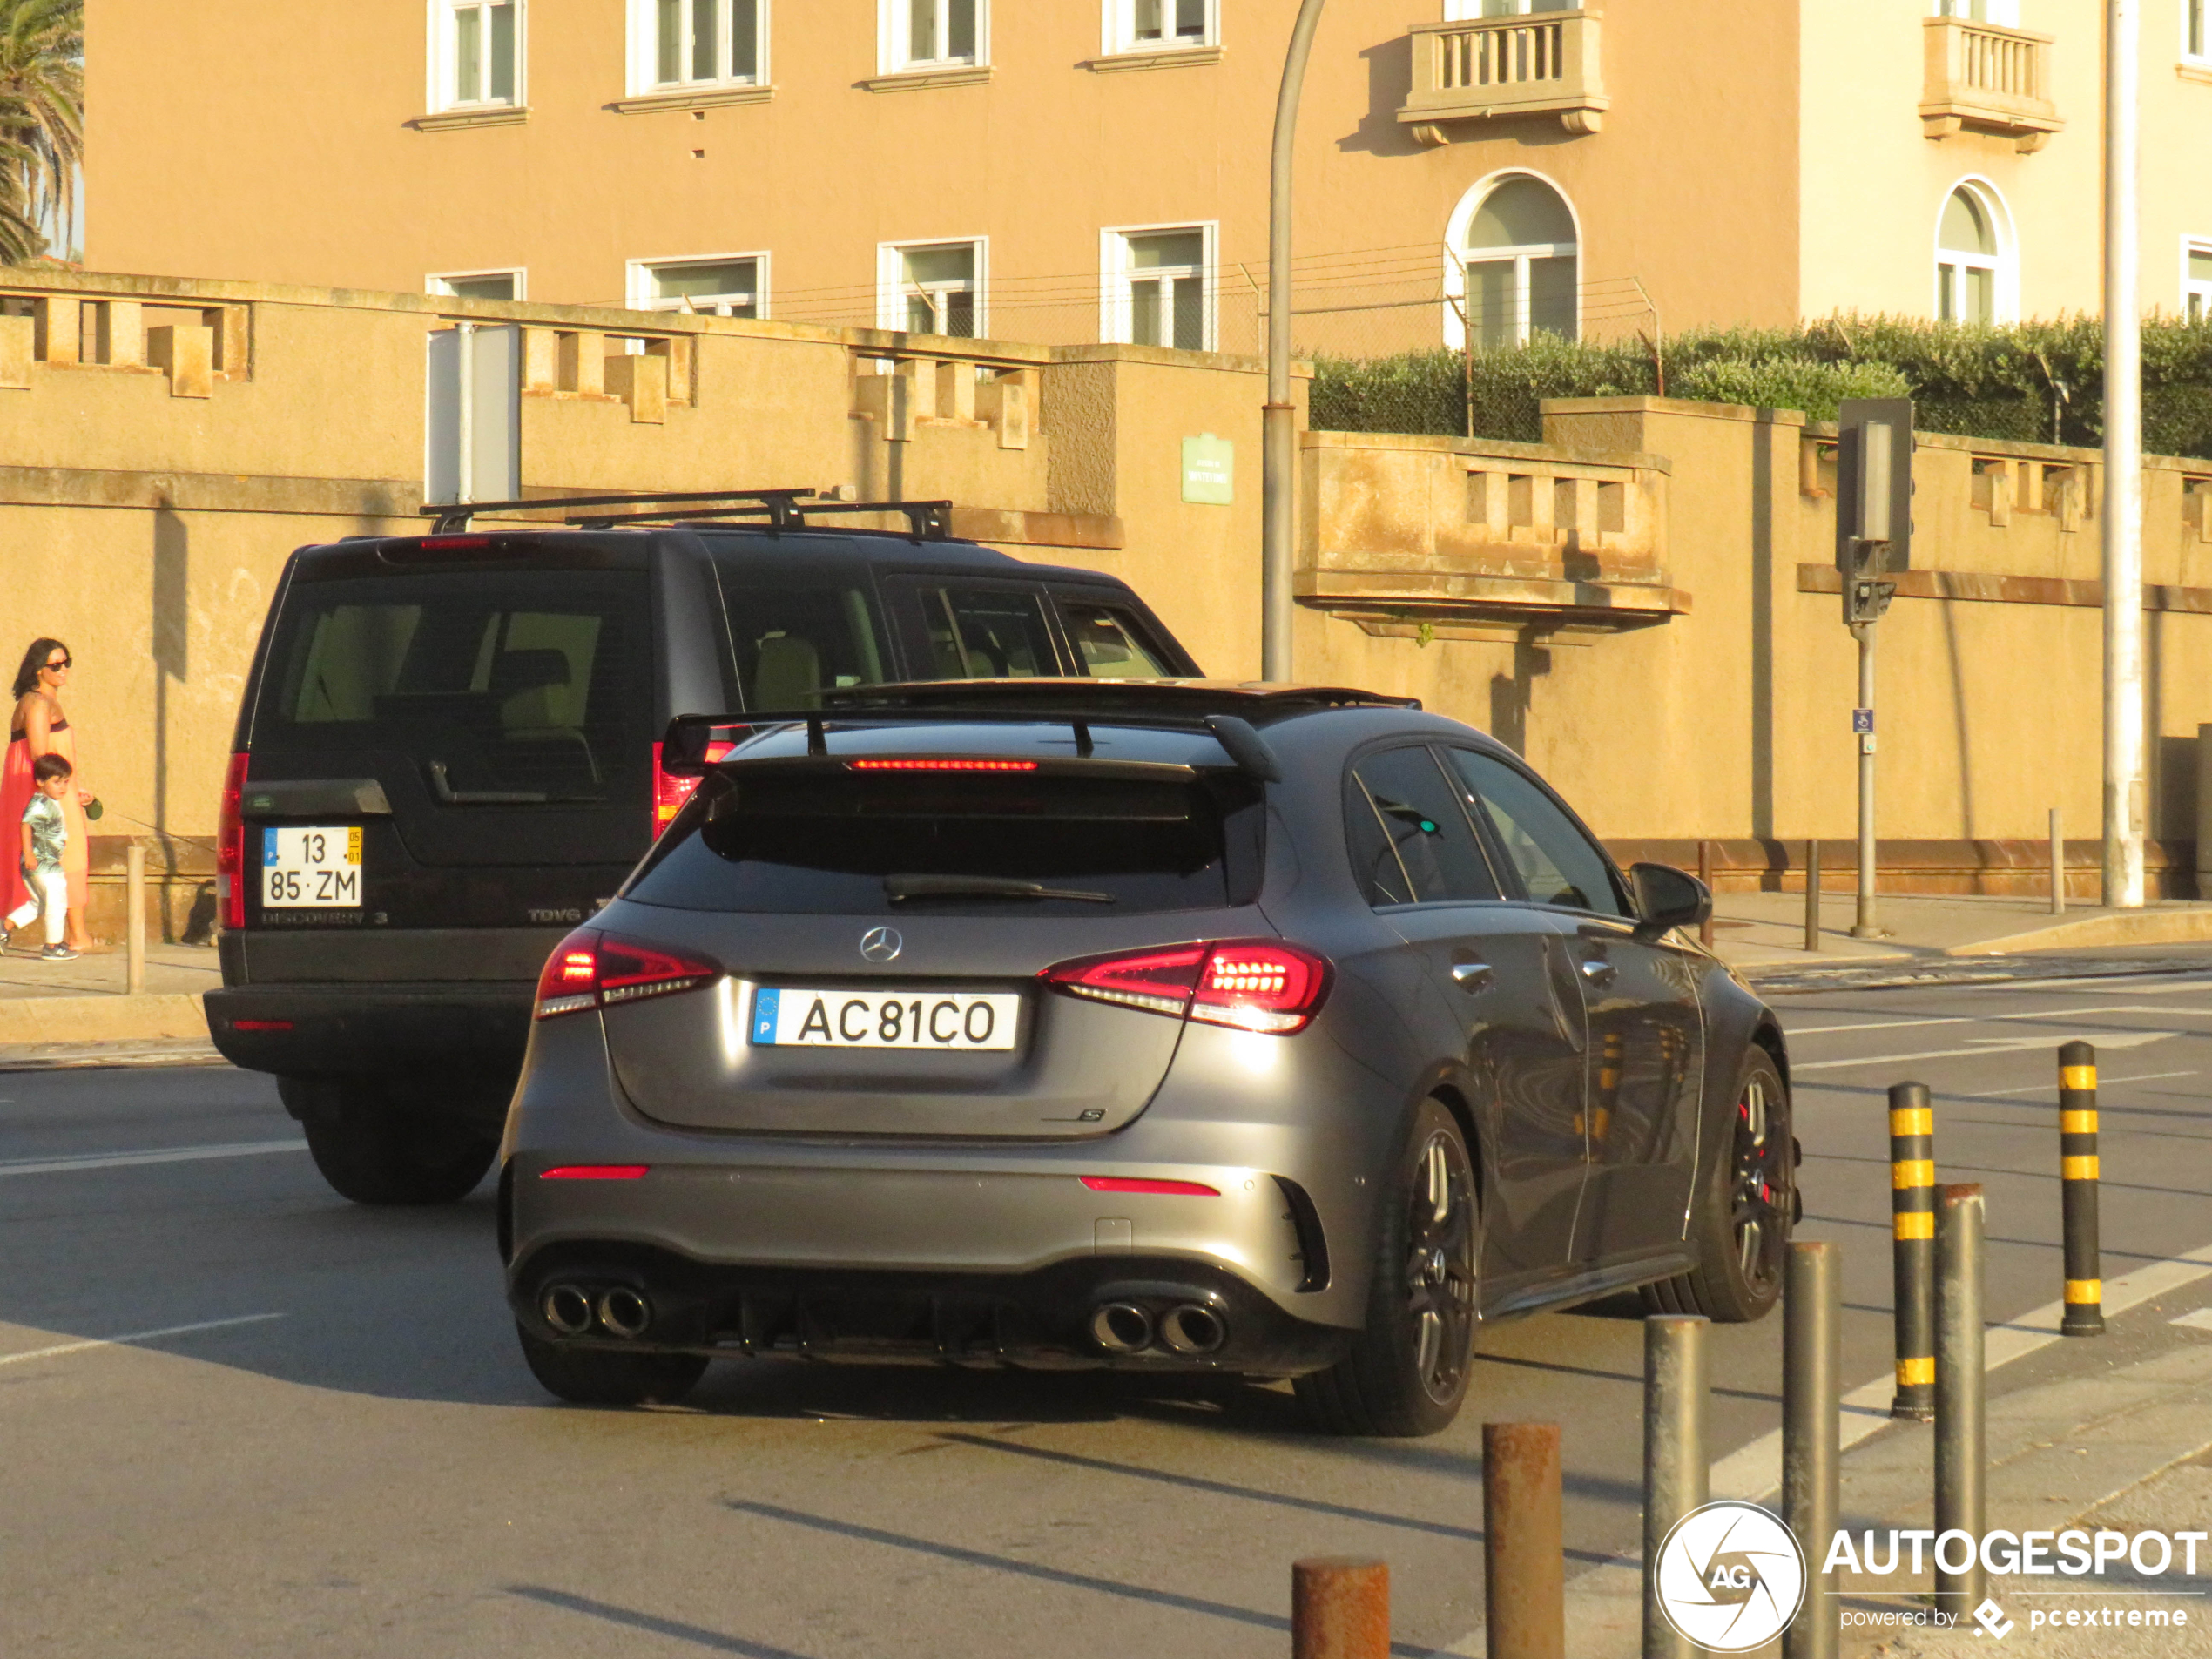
point(814, 840)
point(529, 686)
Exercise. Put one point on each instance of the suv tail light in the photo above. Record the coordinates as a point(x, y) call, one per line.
point(670, 791)
point(230, 845)
point(595, 970)
point(1250, 984)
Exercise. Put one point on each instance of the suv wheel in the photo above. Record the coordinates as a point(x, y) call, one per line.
point(372, 1151)
point(603, 1377)
point(1407, 1371)
point(1740, 1225)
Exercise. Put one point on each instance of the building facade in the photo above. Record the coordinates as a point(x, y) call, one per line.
point(1097, 170)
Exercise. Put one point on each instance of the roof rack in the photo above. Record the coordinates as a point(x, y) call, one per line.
point(926, 520)
point(1179, 700)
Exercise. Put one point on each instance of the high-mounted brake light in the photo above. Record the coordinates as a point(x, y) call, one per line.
point(230, 845)
point(1135, 1184)
point(452, 544)
point(594, 1172)
point(595, 970)
point(1249, 984)
point(942, 765)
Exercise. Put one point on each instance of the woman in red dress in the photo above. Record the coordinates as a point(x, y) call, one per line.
point(40, 727)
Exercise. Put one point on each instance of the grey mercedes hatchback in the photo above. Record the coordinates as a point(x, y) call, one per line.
point(1265, 1030)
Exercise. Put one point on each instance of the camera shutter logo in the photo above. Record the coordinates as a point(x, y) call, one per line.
point(1729, 1577)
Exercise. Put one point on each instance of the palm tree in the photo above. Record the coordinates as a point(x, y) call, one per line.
point(42, 122)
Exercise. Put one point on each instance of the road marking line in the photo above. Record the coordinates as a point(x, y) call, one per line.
point(2051, 1089)
point(1992, 1019)
point(1987, 1046)
point(2200, 1320)
point(135, 1336)
point(130, 1160)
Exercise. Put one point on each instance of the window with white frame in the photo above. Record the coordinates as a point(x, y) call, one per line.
point(479, 285)
point(934, 34)
point(2006, 14)
point(1459, 11)
point(932, 287)
point(2197, 280)
point(2196, 30)
point(1159, 286)
point(476, 54)
point(723, 285)
point(1161, 25)
point(683, 43)
point(1516, 265)
point(1973, 278)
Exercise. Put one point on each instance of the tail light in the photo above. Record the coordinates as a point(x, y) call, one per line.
point(1250, 984)
point(595, 970)
point(669, 793)
point(230, 845)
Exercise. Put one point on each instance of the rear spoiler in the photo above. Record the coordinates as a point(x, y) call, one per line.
point(694, 744)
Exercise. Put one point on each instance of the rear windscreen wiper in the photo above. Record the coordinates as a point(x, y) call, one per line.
point(981, 886)
point(441, 787)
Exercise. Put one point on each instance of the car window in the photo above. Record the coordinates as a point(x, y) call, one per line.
point(795, 640)
point(985, 633)
point(1110, 643)
point(1410, 839)
point(1557, 863)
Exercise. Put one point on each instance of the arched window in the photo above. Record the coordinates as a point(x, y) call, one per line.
point(1973, 266)
point(1516, 265)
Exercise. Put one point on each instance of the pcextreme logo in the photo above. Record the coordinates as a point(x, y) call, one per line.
point(1729, 1577)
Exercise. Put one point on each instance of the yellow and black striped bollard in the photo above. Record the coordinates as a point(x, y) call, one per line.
point(2085, 1291)
point(1912, 1202)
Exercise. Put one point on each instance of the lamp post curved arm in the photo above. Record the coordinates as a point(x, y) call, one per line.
point(1278, 451)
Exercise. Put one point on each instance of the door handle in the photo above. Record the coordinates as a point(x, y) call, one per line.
point(1471, 976)
point(1597, 970)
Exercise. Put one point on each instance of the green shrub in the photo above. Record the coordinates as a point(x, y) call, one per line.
point(1788, 383)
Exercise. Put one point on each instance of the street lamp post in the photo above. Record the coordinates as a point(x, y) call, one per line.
point(2122, 517)
point(1278, 437)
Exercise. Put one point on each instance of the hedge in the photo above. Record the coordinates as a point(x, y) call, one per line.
point(2037, 382)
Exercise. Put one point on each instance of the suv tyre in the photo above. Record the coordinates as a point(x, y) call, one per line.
point(373, 1151)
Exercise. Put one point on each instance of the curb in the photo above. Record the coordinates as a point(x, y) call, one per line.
point(2178, 926)
point(46, 1022)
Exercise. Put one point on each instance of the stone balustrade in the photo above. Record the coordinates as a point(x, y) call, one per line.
point(1543, 62)
point(1987, 78)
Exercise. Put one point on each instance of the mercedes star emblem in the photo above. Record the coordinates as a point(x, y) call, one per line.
point(881, 944)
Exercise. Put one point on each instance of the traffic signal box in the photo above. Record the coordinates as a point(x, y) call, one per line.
point(1874, 501)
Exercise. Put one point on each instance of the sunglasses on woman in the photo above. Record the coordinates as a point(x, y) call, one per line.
point(66, 662)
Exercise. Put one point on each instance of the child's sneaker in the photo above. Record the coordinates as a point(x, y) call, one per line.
point(58, 953)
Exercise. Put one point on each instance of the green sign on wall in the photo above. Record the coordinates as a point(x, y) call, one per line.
point(1209, 470)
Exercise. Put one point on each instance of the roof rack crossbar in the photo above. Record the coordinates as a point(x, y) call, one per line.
point(927, 520)
point(454, 516)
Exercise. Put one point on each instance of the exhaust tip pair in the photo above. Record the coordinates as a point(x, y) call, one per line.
point(620, 1311)
point(1187, 1329)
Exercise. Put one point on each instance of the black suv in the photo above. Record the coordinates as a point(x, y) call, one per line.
point(448, 756)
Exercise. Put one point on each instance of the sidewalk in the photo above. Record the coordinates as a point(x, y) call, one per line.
point(79, 1012)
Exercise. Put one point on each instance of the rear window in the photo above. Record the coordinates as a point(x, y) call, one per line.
point(531, 686)
point(816, 840)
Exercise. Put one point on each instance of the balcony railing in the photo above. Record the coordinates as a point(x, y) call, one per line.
point(1543, 63)
point(1990, 79)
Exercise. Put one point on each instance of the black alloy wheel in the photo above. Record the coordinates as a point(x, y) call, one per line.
point(1408, 1370)
point(1740, 1226)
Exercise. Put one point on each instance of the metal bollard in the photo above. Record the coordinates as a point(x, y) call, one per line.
point(134, 917)
point(1913, 1248)
point(1812, 893)
point(2085, 1290)
point(1705, 875)
point(1339, 1609)
point(1524, 1559)
point(2058, 865)
point(1676, 1474)
point(1961, 1454)
point(1812, 1437)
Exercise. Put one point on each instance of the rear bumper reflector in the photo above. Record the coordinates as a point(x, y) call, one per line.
point(1133, 1183)
point(594, 1172)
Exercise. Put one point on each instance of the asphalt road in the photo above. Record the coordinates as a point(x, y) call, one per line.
point(329, 1445)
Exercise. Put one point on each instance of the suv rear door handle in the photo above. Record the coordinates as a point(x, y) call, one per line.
point(1471, 976)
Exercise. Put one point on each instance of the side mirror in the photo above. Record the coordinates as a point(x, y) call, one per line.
point(1667, 898)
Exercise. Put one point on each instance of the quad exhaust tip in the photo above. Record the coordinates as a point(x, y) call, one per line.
point(1193, 1329)
point(567, 1308)
point(624, 1312)
point(1122, 1327)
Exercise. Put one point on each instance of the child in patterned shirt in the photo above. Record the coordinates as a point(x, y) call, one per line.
point(45, 832)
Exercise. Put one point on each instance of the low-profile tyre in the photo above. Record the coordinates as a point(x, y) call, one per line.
point(1407, 1371)
point(372, 1153)
point(1747, 1203)
point(604, 1377)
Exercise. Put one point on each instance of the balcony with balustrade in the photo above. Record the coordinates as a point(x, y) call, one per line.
point(1543, 63)
point(1982, 77)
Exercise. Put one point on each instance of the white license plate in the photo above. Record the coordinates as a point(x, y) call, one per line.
point(311, 869)
point(793, 1017)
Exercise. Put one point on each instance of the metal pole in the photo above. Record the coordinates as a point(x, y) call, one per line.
point(1961, 1453)
point(1913, 1248)
point(1279, 447)
point(1339, 1609)
point(1865, 926)
point(1674, 1471)
point(1812, 893)
point(134, 916)
point(1812, 1340)
point(2058, 865)
point(1705, 875)
point(2122, 508)
point(1524, 1559)
point(2085, 1290)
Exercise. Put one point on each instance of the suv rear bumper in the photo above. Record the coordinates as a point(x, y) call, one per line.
point(324, 1030)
